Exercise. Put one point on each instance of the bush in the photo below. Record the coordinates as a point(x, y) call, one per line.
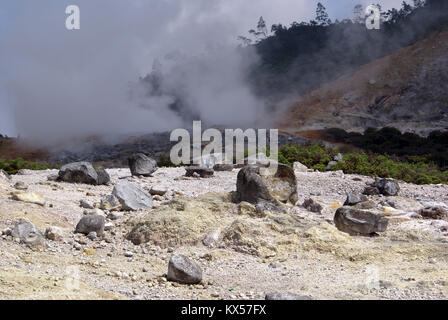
point(13, 166)
point(419, 170)
point(315, 156)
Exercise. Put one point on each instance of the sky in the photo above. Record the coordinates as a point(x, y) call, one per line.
point(41, 62)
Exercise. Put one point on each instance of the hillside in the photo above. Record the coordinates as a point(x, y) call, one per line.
point(407, 90)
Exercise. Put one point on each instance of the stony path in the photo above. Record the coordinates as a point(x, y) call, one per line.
point(410, 260)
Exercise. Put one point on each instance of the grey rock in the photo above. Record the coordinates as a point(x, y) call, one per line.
point(110, 203)
point(223, 167)
point(142, 165)
point(387, 187)
point(89, 224)
point(286, 296)
point(103, 176)
point(22, 229)
point(255, 188)
point(92, 235)
point(86, 204)
point(312, 206)
point(371, 191)
point(359, 222)
point(114, 215)
point(158, 191)
point(83, 172)
point(20, 186)
point(199, 171)
point(354, 198)
point(28, 234)
point(132, 197)
point(181, 269)
point(435, 213)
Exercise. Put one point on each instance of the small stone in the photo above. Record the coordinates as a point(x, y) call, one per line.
point(92, 235)
point(94, 212)
point(128, 254)
point(108, 226)
point(86, 204)
point(21, 186)
point(54, 233)
point(77, 246)
point(312, 206)
point(355, 198)
point(158, 191)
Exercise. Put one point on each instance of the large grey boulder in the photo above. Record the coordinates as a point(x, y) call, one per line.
point(132, 197)
point(286, 296)
point(83, 172)
point(142, 165)
point(183, 270)
point(92, 223)
point(387, 187)
point(255, 187)
point(359, 222)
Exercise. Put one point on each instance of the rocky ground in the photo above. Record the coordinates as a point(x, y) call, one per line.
point(243, 254)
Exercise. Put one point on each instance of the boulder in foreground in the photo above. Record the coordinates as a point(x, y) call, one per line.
point(359, 222)
point(181, 269)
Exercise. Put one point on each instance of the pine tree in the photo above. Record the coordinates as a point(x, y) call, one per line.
point(359, 15)
point(322, 16)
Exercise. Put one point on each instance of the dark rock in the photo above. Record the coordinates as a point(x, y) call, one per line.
point(371, 191)
point(183, 270)
point(142, 165)
point(131, 196)
point(223, 167)
point(89, 224)
point(83, 172)
point(201, 171)
point(359, 222)
point(286, 296)
point(354, 198)
point(253, 187)
point(103, 176)
point(312, 206)
point(387, 187)
point(435, 213)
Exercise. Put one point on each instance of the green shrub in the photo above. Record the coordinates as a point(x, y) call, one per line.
point(13, 166)
point(418, 169)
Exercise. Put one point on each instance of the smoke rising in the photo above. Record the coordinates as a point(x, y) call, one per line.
point(64, 83)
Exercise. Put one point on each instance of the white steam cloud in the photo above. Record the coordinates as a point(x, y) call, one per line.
point(63, 83)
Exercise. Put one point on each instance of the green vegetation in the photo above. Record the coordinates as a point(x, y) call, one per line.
point(408, 147)
point(13, 166)
point(417, 170)
point(300, 57)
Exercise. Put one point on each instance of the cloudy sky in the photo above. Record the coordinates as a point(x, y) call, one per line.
point(52, 77)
